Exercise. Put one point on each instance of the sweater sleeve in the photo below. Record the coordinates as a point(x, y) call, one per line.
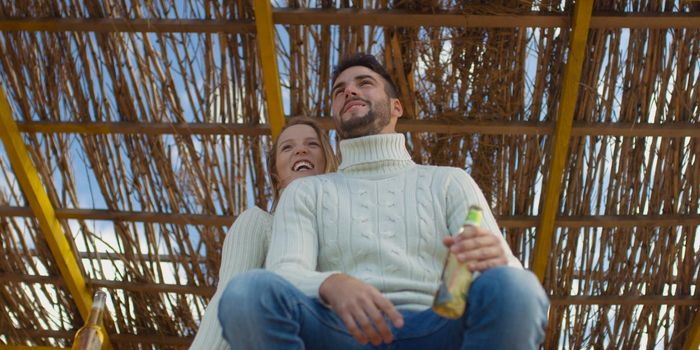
point(244, 249)
point(293, 249)
point(462, 193)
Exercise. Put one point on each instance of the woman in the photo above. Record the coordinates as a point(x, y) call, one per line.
point(301, 149)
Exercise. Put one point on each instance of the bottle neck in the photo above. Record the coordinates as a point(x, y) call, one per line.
point(95, 317)
point(98, 306)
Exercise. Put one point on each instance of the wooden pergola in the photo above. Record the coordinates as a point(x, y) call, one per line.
point(579, 120)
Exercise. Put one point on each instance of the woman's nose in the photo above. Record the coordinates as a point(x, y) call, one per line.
point(301, 150)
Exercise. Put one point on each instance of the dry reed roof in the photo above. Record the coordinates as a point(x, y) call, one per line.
point(148, 124)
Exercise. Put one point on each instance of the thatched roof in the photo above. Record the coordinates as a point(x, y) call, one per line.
point(148, 127)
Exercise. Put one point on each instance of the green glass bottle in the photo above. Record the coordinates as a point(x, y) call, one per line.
point(451, 297)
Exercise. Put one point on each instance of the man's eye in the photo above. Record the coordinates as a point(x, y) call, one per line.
point(366, 82)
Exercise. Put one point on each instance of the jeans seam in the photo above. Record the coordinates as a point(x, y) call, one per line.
point(442, 323)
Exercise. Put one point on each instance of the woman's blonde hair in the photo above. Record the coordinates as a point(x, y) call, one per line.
point(331, 159)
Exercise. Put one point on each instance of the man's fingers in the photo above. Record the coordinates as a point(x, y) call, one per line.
point(390, 311)
point(362, 308)
point(367, 326)
point(448, 241)
point(381, 326)
point(468, 232)
point(483, 253)
point(352, 327)
point(385, 309)
point(487, 264)
point(472, 243)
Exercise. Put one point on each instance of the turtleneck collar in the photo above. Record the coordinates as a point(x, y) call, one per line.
point(381, 154)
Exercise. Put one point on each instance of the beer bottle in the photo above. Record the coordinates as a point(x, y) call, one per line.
point(92, 334)
point(451, 297)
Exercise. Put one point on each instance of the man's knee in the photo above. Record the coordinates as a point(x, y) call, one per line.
point(507, 310)
point(514, 289)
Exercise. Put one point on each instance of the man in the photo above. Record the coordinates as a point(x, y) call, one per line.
point(356, 256)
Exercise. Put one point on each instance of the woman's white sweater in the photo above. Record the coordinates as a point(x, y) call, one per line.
point(244, 249)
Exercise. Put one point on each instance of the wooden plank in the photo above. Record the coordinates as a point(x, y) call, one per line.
point(154, 339)
point(402, 18)
point(516, 221)
point(643, 21)
point(350, 17)
point(27, 347)
point(38, 199)
point(604, 221)
point(106, 128)
point(138, 287)
point(132, 216)
point(465, 126)
point(164, 258)
point(161, 218)
point(155, 287)
point(268, 60)
point(646, 300)
point(120, 25)
point(636, 129)
point(560, 144)
point(652, 300)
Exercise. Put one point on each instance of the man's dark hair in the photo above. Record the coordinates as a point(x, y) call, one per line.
point(368, 61)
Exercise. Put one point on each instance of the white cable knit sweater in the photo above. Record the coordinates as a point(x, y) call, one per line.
point(244, 249)
point(381, 219)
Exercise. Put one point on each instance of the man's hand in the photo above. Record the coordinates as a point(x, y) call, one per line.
point(478, 247)
point(361, 307)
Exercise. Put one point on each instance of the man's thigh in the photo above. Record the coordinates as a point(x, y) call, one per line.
point(322, 329)
point(427, 330)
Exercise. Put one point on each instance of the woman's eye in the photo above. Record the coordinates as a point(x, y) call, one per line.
point(286, 147)
point(314, 143)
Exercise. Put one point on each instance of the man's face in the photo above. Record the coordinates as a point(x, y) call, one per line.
point(361, 105)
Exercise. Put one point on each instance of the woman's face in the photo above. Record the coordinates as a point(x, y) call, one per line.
point(299, 153)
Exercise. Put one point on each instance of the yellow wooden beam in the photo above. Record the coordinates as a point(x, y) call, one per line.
point(268, 60)
point(692, 340)
point(38, 199)
point(562, 134)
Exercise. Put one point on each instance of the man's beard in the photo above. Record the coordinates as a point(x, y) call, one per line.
point(371, 123)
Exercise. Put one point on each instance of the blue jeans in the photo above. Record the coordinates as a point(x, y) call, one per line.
point(261, 310)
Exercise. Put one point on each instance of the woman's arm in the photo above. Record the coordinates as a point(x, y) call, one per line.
point(244, 249)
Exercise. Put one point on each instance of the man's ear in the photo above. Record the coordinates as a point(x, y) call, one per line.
point(396, 108)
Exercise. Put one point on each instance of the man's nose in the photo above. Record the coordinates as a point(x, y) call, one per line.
point(350, 90)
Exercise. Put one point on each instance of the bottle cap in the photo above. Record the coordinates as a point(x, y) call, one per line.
point(474, 216)
point(100, 298)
